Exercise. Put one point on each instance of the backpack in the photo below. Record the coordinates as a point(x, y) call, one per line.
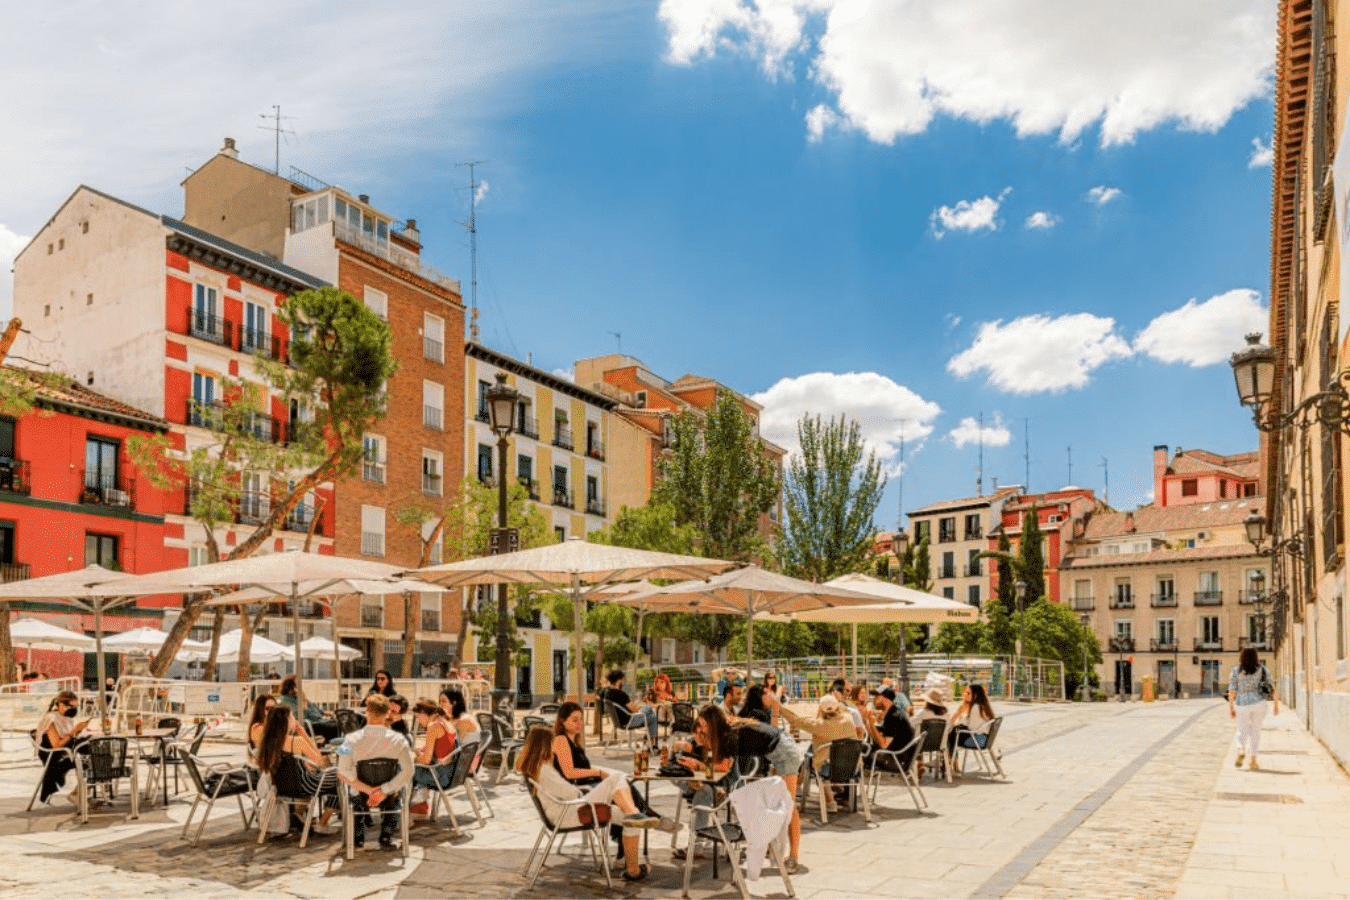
point(1266, 687)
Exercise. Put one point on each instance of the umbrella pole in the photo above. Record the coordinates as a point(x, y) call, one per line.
point(855, 651)
point(904, 660)
point(101, 669)
point(337, 652)
point(580, 663)
point(295, 625)
point(749, 641)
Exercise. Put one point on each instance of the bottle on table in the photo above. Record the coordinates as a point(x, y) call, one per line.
point(665, 754)
point(140, 725)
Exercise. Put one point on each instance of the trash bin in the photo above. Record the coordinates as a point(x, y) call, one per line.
point(1147, 689)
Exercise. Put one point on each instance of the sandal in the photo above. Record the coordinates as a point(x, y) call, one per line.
point(641, 873)
point(681, 854)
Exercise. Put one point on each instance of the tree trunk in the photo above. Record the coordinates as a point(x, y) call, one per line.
point(409, 635)
point(243, 669)
point(599, 668)
point(8, 671)
point(462, 637)
point(217, 623)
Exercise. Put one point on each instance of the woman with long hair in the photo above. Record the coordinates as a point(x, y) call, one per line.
point(538, 763)
point(57, 729)
point(384, 684)
point(712, 744)
point(773, 687)
point(457, 714)
point(569, 751)
point(261, 707)
point(785, 755)
point(287, 755)
point(321, 725)
point(1249, 687)
point(970, 722)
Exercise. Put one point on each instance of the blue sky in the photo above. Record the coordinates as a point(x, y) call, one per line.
point(1053, 214)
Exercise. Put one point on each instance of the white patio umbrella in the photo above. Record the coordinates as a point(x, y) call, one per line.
point(36, 634)
point(574, 562)
point(291, 576)
point(319, 647)
point(751, 592)
point(81, 589)
point(260, 649)
point(148, 640)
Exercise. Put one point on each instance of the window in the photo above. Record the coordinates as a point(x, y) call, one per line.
point(947, 529)
point(485, 464)
point(7, 547)
point(6, 437)
point(433, 404)
point(433, 337)
point(434, 554)
point(922, 532)
point(372, 611)
point(372, 530)
point(949, 593)
point(973, 530)
point(1124, 594)
point(1082, 593)
point(948, 565)
point(308, 213)
point(593, 496)
point(483, 414)
point(560, 533)
point(525, 474)
point(431, 612)
point(1210, 636)
point(376, 301)
point(973, 595)
point(254, 503)
point(373, 462)
point(257, 329)
point(1167, 632)
point(100, 469)
point(1208, 593)
point(197, 556)
point(1165, 592)
point(431, 473)
point(1255, 632)
point(562, 435)
point(1223, 488)
point(101, 550)
point(205, 321)
point(973, 563)
point(561, 496)
point(595, 448)
point(1190, 487)
point(1124, 629)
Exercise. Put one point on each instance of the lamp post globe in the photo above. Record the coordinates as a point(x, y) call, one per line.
point(1020, 589)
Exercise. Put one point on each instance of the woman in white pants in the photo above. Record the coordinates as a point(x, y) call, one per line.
point(1249, 685)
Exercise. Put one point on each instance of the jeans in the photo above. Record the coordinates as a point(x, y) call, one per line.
point(427, 777)
point(1249, 719)
point(388, 821)
point(645, 716)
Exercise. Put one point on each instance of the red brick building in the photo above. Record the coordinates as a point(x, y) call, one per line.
point(1057, 512)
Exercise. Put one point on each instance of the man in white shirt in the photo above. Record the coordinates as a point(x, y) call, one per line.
point(375, 742)
point(839, 688)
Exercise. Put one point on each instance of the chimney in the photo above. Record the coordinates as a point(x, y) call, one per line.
point(994, 482)
point(410, 231)
point(228, 149)
point(1159, 470)
point(364, 198)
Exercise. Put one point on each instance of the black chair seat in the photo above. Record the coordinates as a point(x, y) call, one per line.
point(732, 831)
point(230, 783)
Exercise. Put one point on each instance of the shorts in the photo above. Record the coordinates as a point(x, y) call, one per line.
point(787, 757)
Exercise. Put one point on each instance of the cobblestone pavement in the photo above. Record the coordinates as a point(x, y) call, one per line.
point(1102, 800)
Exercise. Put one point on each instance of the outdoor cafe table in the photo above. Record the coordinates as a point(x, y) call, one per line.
point(137, 741)
point(644, 779)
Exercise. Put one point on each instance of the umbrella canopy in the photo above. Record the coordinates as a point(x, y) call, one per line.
point(318, 647)
point(573, 562)
point(751, 592)
point(148, 640)
point(260, 649)
point(36, 634)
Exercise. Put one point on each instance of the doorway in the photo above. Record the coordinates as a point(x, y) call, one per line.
point(560, 672)
point(1209, 677)
point(1167, 677)
point(1124, 680)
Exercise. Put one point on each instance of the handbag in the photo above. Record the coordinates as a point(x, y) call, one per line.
point(675, 770)
point(1266, 687)
point(588, 813)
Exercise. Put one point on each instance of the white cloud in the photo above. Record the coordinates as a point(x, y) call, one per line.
point(1262, 154)
point(11, 243)
point(1043, 65)
point(1202, 334)
point(1102, 195)
point(968, 215)
point(1041, 219)
point(970, 432)
point(479, 194)
point(885, 411)
point(952, 320)
point(1038, 353)
point(819, 119)
point(564, 374)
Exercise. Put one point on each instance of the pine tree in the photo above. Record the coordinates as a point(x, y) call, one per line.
point(1031, 558)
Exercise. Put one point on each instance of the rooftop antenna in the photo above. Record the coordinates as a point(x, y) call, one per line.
point(1026, 451)
point(1070, 481)
point(1106, 486)
point(979, 478)
point(618, 337)
point(900, 484)
point(473, 248)
point(276, 127)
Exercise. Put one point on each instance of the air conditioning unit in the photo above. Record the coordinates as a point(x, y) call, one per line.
point(1202, 535)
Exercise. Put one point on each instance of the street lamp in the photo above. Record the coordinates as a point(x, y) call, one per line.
point(1258, 592)
point(1083, 688)
point(501, 403)
point(1020, 588)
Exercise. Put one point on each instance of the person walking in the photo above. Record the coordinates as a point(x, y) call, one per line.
point(1249, 687)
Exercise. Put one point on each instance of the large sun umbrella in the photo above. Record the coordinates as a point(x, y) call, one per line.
point(81, 589)
point(319, 647)
point(148, 640)
point(36, 634)
point(635, 591)
point(751, 592)
point(291, 576)
point(574, 562)
point(260, 649)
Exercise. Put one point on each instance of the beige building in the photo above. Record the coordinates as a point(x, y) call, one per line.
point(958, 531)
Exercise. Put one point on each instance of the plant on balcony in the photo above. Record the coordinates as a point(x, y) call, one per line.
point(340, 360)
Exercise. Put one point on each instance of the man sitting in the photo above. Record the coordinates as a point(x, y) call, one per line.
point(630, 714)
point(894, 730)
point(375, 741)
point(398, 707)
point(732, 698)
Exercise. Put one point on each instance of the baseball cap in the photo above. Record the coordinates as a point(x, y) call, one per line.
point(886, 692)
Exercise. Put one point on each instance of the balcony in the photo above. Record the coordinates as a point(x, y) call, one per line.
point(1158, 645)
point(205, 413)
point(404, 259)
point(299, 518)
point(973, 569)
point(1250, 597)
point(258, 342)
point(101, 489)
point(528, 427)
point(254, 507)
point(1083, 604)
point(1122, 644)
point(432, 416)
point(974, 534)
point(562, 437)
point(1121, 601)
point(1253, 642)
point(1162, 600)
point(947, 571)
point(1202, 644)
point(210, 327)
point(563, 497)
point(595, 450)
point(372, 616)
point(264, 428)
point(946, 535)
point(372, 544)
point(487, 479)
point(14, 477)
point(12, 571)
point(433, 349)
point(373, 470)
point(1208, 598)
point(530, 485)
point(595, 506)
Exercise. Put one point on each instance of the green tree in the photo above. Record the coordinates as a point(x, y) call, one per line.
point(776, 640)
point(340, 360)
point(829, 498)
point(918, 570)
point(960, 638)
point(719, 480)
point(1031, 557)
point(1003, 604)
point(1052, 631)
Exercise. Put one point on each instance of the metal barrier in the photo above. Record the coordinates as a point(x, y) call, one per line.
point(23, 703)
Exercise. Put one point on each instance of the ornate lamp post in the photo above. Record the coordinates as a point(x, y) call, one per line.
point(501, 402)
point(1020, 587)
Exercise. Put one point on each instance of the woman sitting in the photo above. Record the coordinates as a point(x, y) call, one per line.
point(287, 756)
point(323, 727)
point(457, 714)
point(569, 756)
point(261, 707)
point(662, 691)
point(970, 722)
point(711, 744)
point(384, 684)
point(539, 764)
point(439, 737)
point(773, 687)
point(934, 707)
point(57, 729)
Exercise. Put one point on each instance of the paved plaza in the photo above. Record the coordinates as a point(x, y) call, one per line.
point(1102, 800)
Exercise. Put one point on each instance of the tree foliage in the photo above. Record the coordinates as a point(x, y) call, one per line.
point(340, 360)
point(829, 498)
point(918, 569)
point(1053, 631)
point(1031, 557)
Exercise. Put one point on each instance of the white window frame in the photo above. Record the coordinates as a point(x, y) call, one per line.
point(372, 530)
point(369, 602)
point(429, 603)
point(376, 300)
point(1166, 631)
point(433, 476)
point(433, 405)
point(433, 337)
point(374, 466)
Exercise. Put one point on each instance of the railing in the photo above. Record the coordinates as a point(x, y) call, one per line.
point(433, 349)
point(1249, 597)
point(431, 484)
point(300, 517)
point(595, 506)
point(12, 571)
point(372, 543)
point(1158, 645)
point(483, 415)
point(255, 340)
point(1254, 643)
point(974, 534)
point(563, 497)
point(308, 181)
point(562, 437)
point(372, 616)
point(396, 255)
point(531, 487)
point(1202, 644)
point(1162, 600)
point(254, 507)
point(431, 417)
point(210, 327)
point(1083, 604)
point(107, 490)
point(265, 428)
point(373, 470)
point(946, 535)
point(204, 413)
point(1122, 645)
point(1121, 601)
point(14, 477)
point(973, 568)
point(487, 479)
point(1208, 598)
point(527, 426)
point(595, 450)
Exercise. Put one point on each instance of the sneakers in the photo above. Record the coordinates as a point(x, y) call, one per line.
point(1253, 766)
point(641, 873)
point(640, 820)
point(1237, 763)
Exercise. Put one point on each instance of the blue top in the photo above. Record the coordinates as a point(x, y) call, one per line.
point(1247, 687)
point(312, 712)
